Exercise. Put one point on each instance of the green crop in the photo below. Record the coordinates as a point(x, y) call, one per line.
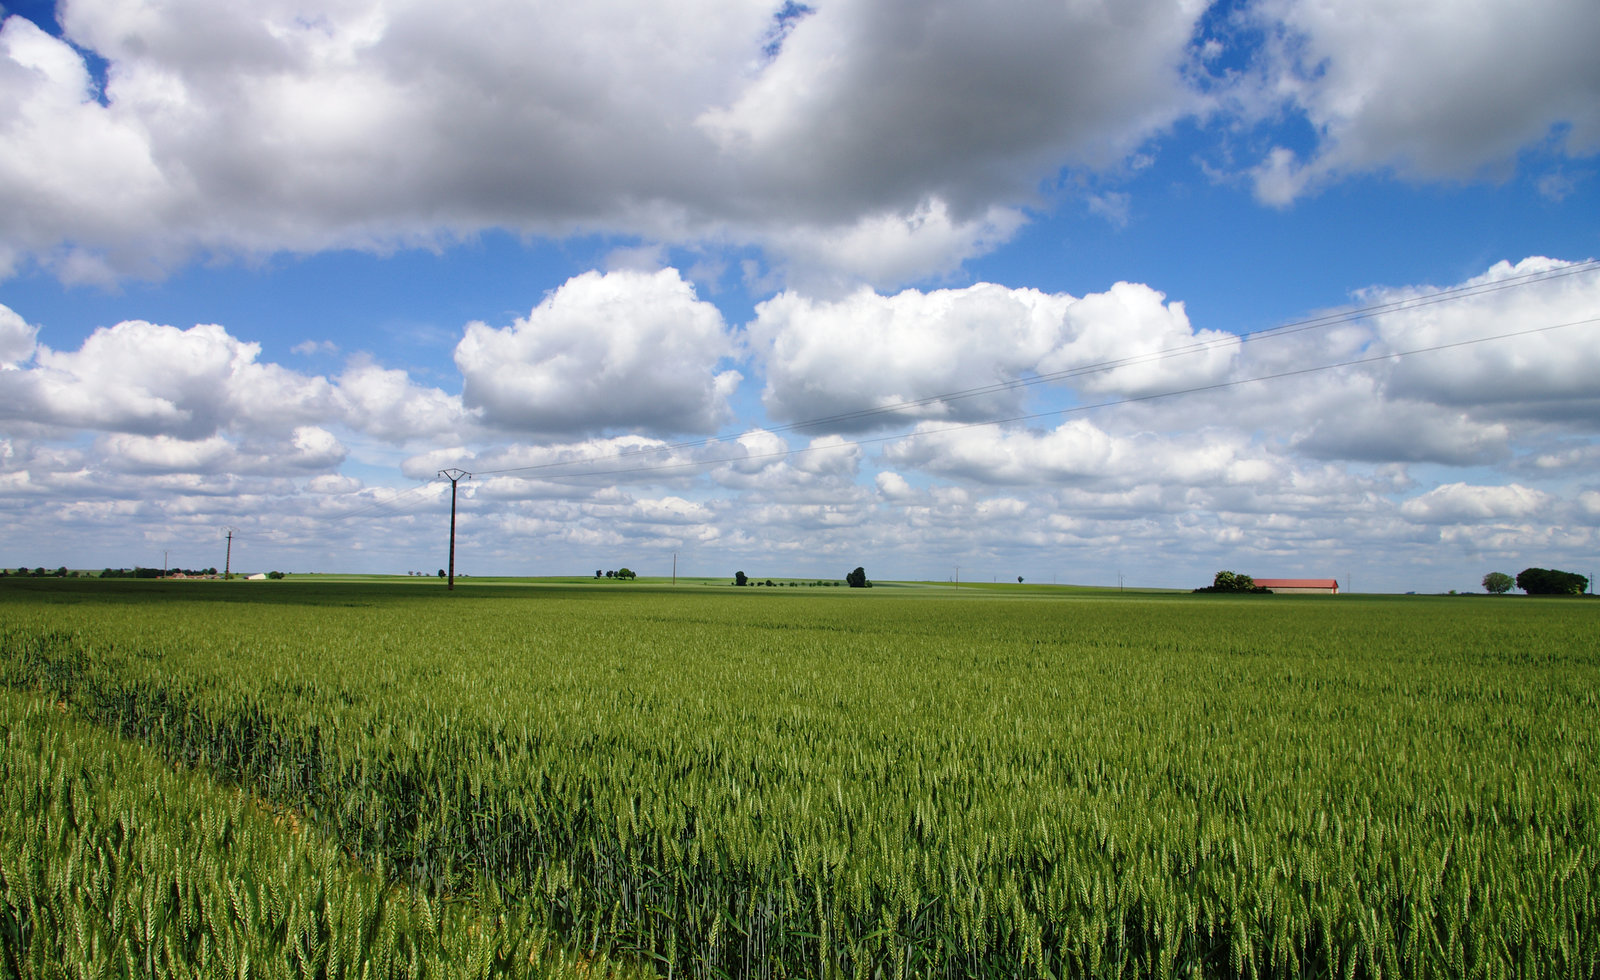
point(113, 864)
point(806, 783)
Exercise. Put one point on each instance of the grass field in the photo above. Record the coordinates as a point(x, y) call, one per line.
point(904, 781)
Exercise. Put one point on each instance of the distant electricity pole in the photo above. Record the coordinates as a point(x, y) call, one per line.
point(454, 476)
point(227, 559)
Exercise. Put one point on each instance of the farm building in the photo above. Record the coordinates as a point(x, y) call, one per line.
point(1292, 586)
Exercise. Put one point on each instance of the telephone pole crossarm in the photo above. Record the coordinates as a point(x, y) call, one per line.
point(454, 476)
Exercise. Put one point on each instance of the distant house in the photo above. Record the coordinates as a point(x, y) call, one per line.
point(257, 577)
point(1305, 586)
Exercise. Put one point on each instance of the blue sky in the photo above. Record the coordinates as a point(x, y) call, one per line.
point(273, 267)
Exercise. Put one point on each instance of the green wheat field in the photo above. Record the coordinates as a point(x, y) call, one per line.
point(385, 779)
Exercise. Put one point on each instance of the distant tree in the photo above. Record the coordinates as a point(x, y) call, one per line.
point(275, 575)
point(626, 574)
point(611, 573)
point(441, 573)
point(61, 572)
point(1019, 579)
point(1551, 581)
point(857, 579)
point(1498, 583)
point(598, 573)
point(739, 578)
point(1233, 582)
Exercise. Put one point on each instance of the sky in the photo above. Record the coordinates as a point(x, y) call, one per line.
point(1086, 292)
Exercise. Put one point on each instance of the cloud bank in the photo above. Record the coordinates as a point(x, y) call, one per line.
point(851, 141)
point(1462, 428)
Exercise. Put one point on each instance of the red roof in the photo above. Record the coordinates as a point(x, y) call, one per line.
point(1297, 583)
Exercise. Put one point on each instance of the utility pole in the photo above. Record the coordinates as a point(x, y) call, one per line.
point(674, 568)
point(227, 560)
point(453, 475)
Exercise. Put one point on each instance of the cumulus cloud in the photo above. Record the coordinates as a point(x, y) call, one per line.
point(1381, 428)
point(894, 487)
point(308, 449)
point(147, 430)
point(169, 400)
point(1552, 369)
point(388, 404)
point(869, 360)
point(887, 248)
point(623, 350)
point(164, 454)
point(1461, 503)
point(870, 100)
point(376, 123)
point(865, 141)
point(1430, 88)
point(1078, 452)
point(17, 338)
point(829, 456)
point(151, 379)
point(1462, 374)
point(671, 510)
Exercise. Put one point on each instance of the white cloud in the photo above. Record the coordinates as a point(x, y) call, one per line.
point(1430, 88)
point(150, 379)
point(164, 454)
point(829, 456)
point(388, 404)
point(888, 248)
point(1079, 453)
point(883, 142)
point(17, 339)
point(671, 510)
point(308, 348)
point(330, 483)
point(1364, 423)
point(894, 487)
point(148, 433)
point(1542, 373)
point(1589, 503)
point(623, 350)
point(879, 359)
point(1471, 380)
point(859, 106)
point(375, 123)
point(1461, 503)
point(307, 449)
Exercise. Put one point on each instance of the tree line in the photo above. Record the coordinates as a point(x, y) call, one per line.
point(1537, 581)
